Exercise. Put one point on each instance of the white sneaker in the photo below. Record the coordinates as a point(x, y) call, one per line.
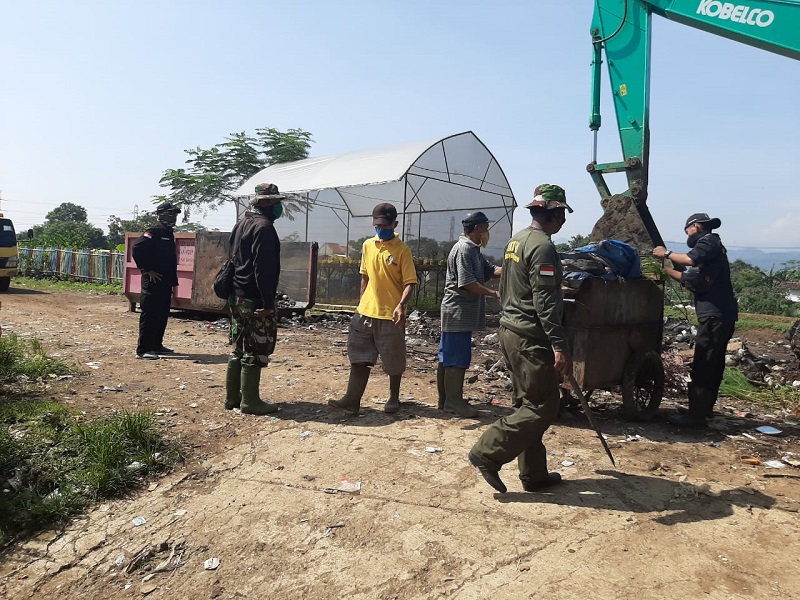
point(148, 355)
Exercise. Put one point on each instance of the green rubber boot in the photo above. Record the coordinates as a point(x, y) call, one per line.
point(440, 386)
point(454, 393)
point(251, 401)
point(233, 383)
point(356, 384)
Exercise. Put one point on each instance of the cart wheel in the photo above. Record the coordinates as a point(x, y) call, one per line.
point(642, 385)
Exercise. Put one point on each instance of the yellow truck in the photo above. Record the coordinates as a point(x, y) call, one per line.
point(9, 253)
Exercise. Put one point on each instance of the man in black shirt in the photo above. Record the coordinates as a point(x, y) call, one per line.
point(709, 278)
point(154, 254)
point(256, 254)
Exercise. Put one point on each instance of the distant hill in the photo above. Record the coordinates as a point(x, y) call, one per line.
point(758, 258)
point(763, 260)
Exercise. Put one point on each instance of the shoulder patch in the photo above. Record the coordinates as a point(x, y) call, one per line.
point(147, 234)
point(548, 270)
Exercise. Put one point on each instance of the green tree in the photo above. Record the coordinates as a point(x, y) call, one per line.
point(356, 245)
point(117, 228)
point(425, 247)
point(576, 241)
point(761, 292)
point(69, 235)
point(66, 227)
point(66, 212)
point(214, 174)
point(191, 227)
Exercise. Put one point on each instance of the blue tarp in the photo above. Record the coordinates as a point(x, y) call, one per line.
point(621, 259)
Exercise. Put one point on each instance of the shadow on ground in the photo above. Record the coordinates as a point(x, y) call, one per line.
point(680, 502)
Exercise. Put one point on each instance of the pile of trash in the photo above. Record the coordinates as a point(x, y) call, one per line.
point(607, 259)
point(793, 335)
point(284, 301)
point(679, 337)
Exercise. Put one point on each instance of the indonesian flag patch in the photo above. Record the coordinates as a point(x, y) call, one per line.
point(548, 270)
point(147, 234)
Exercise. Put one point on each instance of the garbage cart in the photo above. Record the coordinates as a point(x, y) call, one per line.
point(615, 328)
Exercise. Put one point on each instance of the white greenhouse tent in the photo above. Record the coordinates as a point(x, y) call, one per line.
point(433, 184)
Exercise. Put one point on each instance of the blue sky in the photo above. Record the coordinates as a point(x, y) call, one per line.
point(99, 98)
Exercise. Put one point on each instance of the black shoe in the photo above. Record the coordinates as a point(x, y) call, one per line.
point(491, 476)
point(535, 486)
point(164, 350)
point(687, 421)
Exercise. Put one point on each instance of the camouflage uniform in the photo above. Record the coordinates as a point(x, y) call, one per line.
point(255, 251)
point(253, 337)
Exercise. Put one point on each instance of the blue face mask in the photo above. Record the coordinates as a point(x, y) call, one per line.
point(385, 234)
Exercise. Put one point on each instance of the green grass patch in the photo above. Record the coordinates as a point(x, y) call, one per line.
point(736, 385)
point(58, 284)
point(52, 465)
point(19, 356)
point(768, 322)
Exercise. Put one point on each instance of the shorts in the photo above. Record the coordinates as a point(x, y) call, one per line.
point(369, 338)
point(455, 349)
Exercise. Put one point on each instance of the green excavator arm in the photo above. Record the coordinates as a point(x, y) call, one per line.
point(621, 31)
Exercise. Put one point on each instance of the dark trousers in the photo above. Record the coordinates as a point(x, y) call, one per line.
point(708, 364)
point(519, 435)
point(155, 304)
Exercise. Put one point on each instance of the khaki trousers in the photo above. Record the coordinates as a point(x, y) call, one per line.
point(519, 435)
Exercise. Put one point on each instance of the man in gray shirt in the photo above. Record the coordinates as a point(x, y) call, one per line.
point(463, 311)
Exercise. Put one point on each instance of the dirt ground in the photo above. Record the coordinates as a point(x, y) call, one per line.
point(682, 516)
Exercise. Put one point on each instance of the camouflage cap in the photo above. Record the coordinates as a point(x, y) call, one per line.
point(268, 191)
point(548, 197)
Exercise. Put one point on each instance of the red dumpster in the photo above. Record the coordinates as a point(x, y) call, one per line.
point(201, 254)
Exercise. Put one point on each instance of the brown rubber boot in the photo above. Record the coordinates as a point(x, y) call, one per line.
point(251, 402)
point(356, 384)
point(393, 404)
point(454, 393)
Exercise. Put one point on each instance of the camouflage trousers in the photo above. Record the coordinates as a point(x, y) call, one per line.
point(253, 337)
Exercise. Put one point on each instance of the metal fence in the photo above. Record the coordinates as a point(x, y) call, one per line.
point(96, 266)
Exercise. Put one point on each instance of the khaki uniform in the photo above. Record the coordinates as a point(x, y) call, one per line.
point(530, 332)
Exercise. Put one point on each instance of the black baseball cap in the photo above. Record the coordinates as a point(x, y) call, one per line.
point(384, 214)
point(703, 219)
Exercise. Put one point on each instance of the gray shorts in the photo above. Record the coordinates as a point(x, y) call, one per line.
point(368, 338)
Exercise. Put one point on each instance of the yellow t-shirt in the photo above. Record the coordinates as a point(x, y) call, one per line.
point(390, 268)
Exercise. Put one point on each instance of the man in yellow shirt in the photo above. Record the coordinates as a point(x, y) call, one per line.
point(378, 328)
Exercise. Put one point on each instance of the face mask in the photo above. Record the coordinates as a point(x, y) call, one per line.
point(272, 212)
point(484, 239)
point(692, 240)
point(168, 219)
point(385, 234)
